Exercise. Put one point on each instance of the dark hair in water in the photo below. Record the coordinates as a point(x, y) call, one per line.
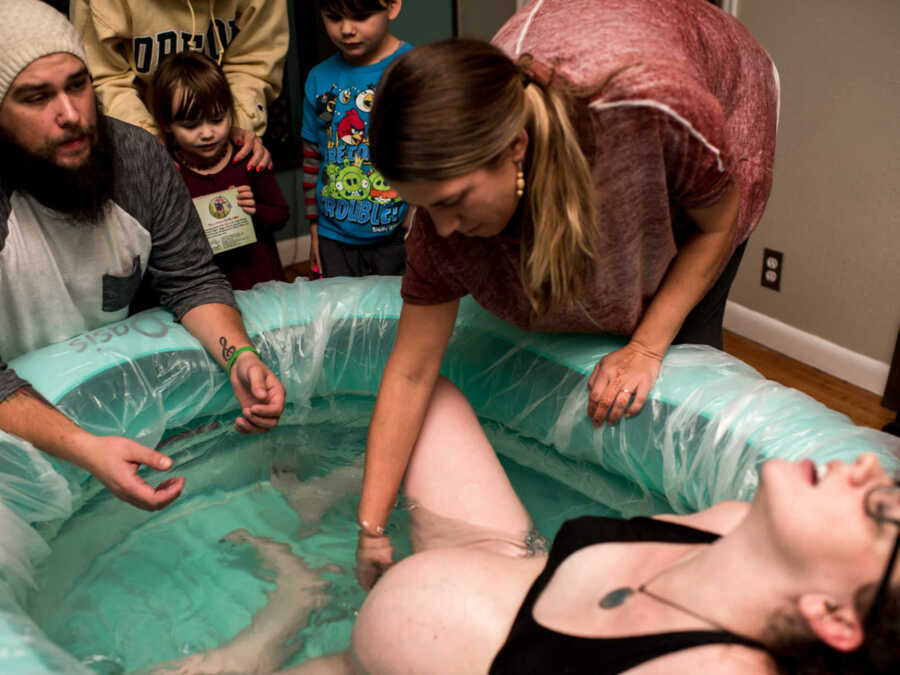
point(796, 650)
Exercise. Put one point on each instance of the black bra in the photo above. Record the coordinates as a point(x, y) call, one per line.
point(532, 648)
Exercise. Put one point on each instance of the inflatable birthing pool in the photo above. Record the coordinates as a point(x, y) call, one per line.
point(90, 584)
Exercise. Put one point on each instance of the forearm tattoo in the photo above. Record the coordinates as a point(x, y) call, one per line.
point(227, 350)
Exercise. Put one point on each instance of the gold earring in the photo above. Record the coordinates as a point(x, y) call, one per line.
point(520, 180)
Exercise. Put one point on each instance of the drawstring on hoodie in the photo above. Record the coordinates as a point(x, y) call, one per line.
point(215, 30)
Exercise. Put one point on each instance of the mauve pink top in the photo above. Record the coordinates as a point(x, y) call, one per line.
point(695, 110)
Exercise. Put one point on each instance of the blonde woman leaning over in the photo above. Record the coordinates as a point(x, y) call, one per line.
point(604, 181)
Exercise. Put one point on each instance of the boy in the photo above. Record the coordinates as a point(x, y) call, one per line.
point(354, 215)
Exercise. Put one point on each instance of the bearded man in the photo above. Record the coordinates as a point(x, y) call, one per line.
point(89, 206)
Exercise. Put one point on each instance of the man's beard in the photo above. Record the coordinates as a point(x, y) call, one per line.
point(81, 193)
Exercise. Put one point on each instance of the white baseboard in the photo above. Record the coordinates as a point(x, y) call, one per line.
point(730, 6)
point(858, 369)
point(294, 250)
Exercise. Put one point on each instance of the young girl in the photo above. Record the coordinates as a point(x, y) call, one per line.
point(193, 106)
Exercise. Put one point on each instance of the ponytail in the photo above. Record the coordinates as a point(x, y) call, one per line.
point(560, 193)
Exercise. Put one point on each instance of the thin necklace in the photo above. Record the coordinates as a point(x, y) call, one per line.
point(618, 596)
point(203, 166)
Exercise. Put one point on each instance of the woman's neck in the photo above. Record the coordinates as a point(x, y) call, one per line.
point(214, 165)
point(736, 582)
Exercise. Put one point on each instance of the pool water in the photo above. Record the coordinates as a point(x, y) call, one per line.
point(124, 590)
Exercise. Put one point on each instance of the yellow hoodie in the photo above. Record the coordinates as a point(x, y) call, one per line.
point(124, 40)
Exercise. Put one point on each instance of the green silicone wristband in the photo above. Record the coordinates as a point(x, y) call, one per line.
point(238, 352)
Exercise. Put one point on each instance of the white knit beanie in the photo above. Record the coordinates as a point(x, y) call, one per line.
point(30, 29)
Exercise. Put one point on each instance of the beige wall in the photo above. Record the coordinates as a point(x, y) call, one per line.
point(482, 18)
point(835, 206)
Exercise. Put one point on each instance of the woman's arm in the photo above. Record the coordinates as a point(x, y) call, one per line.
point(635, 367)
point(406, 387)
point(691, 273)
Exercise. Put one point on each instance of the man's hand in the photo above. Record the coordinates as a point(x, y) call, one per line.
point(115, 460)
point(220, 330)
point(250, 145)
point(259, 392)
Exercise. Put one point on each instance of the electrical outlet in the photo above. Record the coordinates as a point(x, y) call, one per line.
point(773, 264)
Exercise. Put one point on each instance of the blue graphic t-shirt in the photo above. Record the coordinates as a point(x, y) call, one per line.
point(356, 206)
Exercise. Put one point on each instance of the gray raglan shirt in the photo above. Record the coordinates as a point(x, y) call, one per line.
point(59, 279)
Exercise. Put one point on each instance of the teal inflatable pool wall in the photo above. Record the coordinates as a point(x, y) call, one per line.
point(709, 424)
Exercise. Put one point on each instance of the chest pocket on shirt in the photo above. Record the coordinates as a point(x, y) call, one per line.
point(118, 291)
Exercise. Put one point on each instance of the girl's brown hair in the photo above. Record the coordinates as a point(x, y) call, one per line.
point(451, 107)
point(195, 83)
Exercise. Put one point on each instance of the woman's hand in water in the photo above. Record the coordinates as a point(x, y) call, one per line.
point(621, 377)
point(245, 198)
point(374, 554)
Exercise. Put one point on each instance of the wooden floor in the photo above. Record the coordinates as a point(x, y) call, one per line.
point(291, 272)
point(860, 405)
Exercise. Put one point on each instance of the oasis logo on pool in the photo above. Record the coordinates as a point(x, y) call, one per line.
point(142, 324)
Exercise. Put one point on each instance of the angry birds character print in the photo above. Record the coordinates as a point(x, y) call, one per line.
point(325, 103)
point(352, 129)
point(380, 191)
point(365, 99)
point(347, 182)
point(353, 195)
